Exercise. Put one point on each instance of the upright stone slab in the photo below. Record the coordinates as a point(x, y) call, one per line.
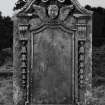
point(52, 53)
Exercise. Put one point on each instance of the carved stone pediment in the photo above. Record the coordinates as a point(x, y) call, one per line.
point(28, 8)
point(51, 12)
point(52, 15)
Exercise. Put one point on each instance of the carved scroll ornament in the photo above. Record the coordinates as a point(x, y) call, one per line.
point(81, 61)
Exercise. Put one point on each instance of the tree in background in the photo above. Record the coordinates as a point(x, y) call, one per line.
point(6, 32)
point(98, 22)
point(98, 25)
point(6, 36)
point(19, 4)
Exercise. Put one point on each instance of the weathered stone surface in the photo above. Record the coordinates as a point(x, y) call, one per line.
point(52, 68)
point(52, 53)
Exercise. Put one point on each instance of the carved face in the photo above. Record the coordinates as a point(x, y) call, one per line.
point(53, 11)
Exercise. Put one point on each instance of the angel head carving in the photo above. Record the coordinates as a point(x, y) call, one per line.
point(53, 11)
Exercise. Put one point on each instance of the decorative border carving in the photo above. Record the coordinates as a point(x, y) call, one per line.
point(23, 53)
point(81, 71)
point(81, 62)
point(81, 31)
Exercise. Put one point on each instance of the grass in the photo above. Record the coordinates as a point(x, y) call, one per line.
point(6, 83)
point(6, 94)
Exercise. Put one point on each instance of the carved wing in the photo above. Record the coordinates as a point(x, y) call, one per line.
point(39, 11)
point(64, 12)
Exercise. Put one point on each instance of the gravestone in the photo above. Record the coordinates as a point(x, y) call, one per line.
point(52, 51)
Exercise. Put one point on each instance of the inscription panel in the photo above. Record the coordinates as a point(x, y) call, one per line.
point(52, 67)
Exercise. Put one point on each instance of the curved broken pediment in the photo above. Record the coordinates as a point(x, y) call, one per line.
point(53, 12)
point(60, 3)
